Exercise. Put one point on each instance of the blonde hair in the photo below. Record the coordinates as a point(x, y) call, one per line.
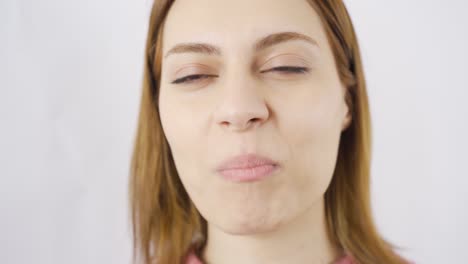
point(166, 222)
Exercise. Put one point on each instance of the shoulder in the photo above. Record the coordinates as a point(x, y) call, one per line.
point(348, 259)
point(192, 259)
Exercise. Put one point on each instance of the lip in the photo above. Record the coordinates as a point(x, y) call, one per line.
point(247, 168)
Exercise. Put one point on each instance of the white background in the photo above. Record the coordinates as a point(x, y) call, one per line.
point(70, 74)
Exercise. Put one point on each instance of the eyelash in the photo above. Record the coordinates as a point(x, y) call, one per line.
point(283, 69)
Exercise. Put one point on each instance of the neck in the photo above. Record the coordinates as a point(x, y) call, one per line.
point(303, 240)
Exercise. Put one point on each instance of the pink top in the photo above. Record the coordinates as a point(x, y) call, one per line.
point(193, 259)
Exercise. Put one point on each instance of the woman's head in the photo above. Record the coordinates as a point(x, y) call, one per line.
point(245, 103)
point(281, 79)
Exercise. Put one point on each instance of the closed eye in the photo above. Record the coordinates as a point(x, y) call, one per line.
point(281, 69)
point(288, 70)
point(192, 78)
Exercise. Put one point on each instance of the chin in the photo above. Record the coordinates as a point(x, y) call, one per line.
point(249, 225)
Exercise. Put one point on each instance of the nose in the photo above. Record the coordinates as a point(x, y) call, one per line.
point(242, 106)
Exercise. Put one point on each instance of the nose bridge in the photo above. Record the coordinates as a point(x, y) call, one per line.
point(242, 102)
point(239, 85)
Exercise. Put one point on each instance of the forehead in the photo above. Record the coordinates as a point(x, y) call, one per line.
point(238, 22)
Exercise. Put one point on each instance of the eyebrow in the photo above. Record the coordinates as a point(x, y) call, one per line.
point(263, 43)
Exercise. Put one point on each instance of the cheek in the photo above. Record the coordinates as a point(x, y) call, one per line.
point(182, 128)
point(311, 127)
point(185, 119)
point(182, 118)
point(173, 123)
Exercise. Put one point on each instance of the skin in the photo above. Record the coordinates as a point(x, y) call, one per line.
point(241, 107)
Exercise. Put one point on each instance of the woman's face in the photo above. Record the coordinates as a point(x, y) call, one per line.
point(244, 104)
